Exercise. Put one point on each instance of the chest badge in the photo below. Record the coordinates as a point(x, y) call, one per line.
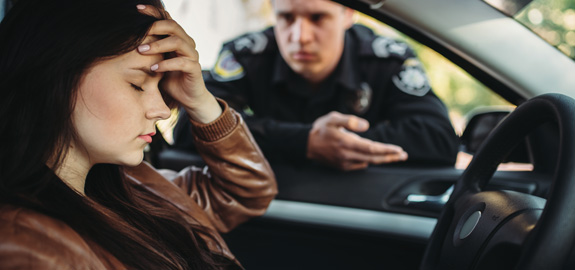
point(361, 99)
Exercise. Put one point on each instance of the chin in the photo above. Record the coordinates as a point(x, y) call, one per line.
point(132, 164)
point(307, 71)
point(303, 71)
point(132, 161)
point(311, 76)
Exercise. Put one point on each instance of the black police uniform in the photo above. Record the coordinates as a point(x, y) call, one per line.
point(377, 78)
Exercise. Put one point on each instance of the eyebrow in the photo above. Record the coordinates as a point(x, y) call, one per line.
point(147, 70)
point(284, 13)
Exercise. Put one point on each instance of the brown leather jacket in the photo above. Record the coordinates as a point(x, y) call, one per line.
point(236, 185)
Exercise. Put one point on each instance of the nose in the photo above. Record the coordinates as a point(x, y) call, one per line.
point(157, 108)
point(301, 31)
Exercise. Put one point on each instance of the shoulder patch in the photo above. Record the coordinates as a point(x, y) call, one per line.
point(384, 47)
point(227, 68)
point(412, 79)
point(255, 42)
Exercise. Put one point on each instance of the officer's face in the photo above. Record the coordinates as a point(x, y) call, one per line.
point(310, 35)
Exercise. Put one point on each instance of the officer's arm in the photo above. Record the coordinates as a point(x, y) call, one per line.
point(416, 120)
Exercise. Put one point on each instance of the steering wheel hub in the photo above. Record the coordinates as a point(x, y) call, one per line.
point(480, 218)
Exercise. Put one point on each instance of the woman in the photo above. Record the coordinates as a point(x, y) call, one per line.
point(83, 84)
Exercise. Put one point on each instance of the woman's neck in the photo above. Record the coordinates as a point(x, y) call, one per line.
point(73, 170)
point(73, 177)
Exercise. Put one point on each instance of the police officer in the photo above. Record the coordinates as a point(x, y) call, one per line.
point(317, 87)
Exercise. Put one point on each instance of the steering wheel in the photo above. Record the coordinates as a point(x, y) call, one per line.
point(480, 229)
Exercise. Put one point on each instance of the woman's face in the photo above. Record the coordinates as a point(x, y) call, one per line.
point(117, 106)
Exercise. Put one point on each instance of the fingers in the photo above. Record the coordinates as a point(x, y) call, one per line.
point(357, 124)
point(176, 64)
point(349, 160)
point(153, 11)
point(356, 143)
point(357, 161)
point(169, 28)
point(347, 155)
point(350, 122)
point(388, 158)
point(353, 166)
point(177, 41)
point(358, 149)
point(171, 44)
point(182, 78)
point(180, 47)
point(330, 142)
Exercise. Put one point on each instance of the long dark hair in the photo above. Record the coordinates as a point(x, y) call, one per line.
point(45, 48)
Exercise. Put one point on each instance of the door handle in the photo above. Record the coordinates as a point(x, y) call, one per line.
point(429, 201)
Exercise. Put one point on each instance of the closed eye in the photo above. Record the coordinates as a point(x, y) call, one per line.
point(136, 87)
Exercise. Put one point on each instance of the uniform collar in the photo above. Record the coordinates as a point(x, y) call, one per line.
point(282, 71)
point(285, 79)
point(346, 73)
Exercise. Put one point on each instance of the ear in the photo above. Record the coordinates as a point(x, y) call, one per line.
point(349, 17)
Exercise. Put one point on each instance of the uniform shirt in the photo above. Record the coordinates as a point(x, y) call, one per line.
point(377, 78)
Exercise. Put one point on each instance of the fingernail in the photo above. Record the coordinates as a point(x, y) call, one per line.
point(141, 6)
point(154, 67)
point(362, 124)
point(144, 48)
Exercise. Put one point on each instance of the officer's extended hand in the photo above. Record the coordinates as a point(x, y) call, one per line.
point(331, 142)
point(183, 79)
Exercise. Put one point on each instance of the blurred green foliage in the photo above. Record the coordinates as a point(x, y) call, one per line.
point(552, 20)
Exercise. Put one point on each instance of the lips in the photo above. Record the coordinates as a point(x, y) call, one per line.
point(303, 56)
point(147, 137)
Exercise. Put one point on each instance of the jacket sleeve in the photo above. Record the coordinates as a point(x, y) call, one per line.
point(237, 182)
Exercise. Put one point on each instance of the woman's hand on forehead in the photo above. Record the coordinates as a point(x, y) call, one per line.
point(183, 79)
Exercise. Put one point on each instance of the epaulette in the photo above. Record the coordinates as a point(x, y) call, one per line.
point(253, 42)
point(372, 45)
